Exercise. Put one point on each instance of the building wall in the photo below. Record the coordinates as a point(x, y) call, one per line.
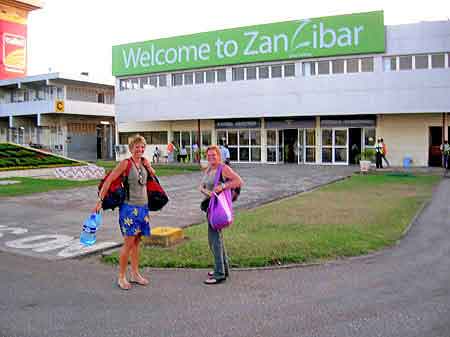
point(407, 135)
point(338, 94)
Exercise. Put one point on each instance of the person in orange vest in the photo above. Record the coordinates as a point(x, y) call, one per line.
point(170, 149)
point(384, 152)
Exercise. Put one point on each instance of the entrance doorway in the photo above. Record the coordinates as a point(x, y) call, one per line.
point(434, 152)
point(355, 145)
point(290, 145)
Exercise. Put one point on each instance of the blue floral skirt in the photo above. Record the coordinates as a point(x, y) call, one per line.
point(134, 220)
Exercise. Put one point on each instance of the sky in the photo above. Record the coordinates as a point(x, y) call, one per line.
point(73, 36)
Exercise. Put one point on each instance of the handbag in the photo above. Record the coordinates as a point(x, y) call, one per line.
point(220, 209)
point(157, 197)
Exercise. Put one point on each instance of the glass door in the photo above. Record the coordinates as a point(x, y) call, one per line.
point(271, 146)
point(340, 155)
point(334, 146)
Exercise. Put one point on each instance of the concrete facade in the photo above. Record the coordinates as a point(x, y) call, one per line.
point(404, 102)
point(82, 126)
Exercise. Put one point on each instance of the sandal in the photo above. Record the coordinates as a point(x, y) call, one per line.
point(214, 281)
point(211, 274)
point(139, 279)
point(124, 285)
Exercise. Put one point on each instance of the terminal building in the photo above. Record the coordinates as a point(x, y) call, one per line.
point(312, 91)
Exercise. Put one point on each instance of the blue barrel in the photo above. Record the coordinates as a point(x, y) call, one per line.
point(407, 162)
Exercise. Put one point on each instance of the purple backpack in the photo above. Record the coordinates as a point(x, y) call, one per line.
point(220, 210)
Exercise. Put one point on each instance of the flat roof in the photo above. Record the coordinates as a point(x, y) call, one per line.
point(82, 79)
point(28, 5)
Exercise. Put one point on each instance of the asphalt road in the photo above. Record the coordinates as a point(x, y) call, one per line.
point(403, 291)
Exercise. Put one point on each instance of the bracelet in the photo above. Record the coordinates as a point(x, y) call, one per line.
point(223, 186)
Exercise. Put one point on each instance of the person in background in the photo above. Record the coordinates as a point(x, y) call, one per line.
point(225, 154)
point(445, 149)
point(196, 153)
point(183, 154)
point(378, 153)
point(384, 152)
point(156, 155)
point(170, 151)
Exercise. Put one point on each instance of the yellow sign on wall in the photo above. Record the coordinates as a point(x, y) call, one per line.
point(59, 106)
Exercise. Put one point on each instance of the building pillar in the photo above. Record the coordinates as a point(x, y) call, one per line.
point(263, 141)
point(214, 134)
point(445, 126)
point(318, 141)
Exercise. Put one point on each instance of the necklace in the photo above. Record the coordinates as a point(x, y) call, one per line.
point(140, 175)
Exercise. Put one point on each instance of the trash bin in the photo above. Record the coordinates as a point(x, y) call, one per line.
point(407, 162)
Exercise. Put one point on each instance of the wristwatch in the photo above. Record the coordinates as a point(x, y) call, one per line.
point(223, 186)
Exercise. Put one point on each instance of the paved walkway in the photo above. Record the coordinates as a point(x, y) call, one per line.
point(53, 220)
point(401, 292)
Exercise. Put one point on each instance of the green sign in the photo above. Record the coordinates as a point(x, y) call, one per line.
point(359, 33)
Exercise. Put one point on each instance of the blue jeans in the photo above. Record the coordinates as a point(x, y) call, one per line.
point(215, 240)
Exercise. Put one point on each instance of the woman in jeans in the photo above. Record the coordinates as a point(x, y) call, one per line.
point(230, 179)
point(134, 213)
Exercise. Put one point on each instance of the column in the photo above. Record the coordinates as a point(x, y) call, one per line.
point(318, 142)
point(263, 141)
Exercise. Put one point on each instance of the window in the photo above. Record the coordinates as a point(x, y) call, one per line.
point(289, 70)
point(124, 136)
point(206, 138)
point(100, 97)
point(210, 76)
point(327, 145)
point(238, 74)
point(271, 146)
point(421, 61)
point(59, 93)
point(251, 73)
point(406, 62)
point(308, 68)
point(369, 137)
point(367, 64)
point(310, 145)
point(155, 137)
point(352, 66)
point(134, 83)
point(221, 75)
point(152, 82)
point(123, 86)
point(162, 80)
point(276, 71)
point(143, 82)
point(177, 79)
point(199, 77)
point(323, 67)
point(188, 78)
point(390, 63)
point(263, 72)
point(438, 61)
point(338, 66)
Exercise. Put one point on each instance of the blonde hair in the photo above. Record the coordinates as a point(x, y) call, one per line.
point(136, 140)
point(216, 149)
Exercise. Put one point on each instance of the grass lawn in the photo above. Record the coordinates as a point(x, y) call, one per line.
point(34, 185)
point(352, 217)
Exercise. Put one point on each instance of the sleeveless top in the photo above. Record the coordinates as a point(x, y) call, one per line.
point(138, 192)
point(208, 179)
